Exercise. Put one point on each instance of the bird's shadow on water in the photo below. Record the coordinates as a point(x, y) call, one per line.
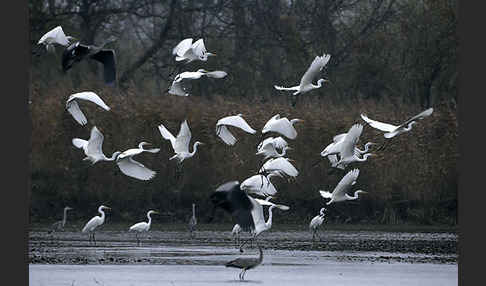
point(243, 281)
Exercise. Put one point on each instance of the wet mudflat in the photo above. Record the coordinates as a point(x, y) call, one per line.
point(351, 257)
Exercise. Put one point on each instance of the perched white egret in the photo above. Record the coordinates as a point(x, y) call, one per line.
point(73, 107)
point(142, 226)
point(393, 130)
point(339, 193)
point(282, 126)
point(189, 51)
point(347, 151)
point(133, 168)
point(278, 142)
point(313, 71)
point(177, 89)
point(259, 185)
point(316, 222)
point(193, 221)
point(235, 233)
point(180, 144)
point(55, 36)
point(235, 121)
point(94, 223)
point(279, 166)
point(59, 225)
point(93, 147)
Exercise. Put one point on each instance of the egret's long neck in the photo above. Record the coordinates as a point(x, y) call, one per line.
point(100, 210)
point(367, 146)
point(194, 149)
point(365, 157)
point(268, 224)
point(149, 219)
point(319, 83)
point(113, 157)
point(409, 126)
point(193, 211)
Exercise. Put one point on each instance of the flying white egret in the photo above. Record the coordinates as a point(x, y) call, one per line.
point(312, 72)
point(177, 89)
point(393, 130)
point(93, 147)
point(259, 185)
point(59, 225)
point(333, 158)
point(270, 151)
point(316, 222)
point(55, 36)
point(236, 121)
point(193, 221)
point(189, 51)
point(347, 151)
point(133, 168)
point(180, 144)
point(73, 107)
point(142, 226)
point(235, 233)
point(339, 193)
point(77, 52)
point(282, 126)
point(246, 263)
point(94, 223)
point(245, 210)
point(278, 142)
point(279, 166)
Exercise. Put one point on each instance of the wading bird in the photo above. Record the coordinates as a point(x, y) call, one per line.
point(176, 87)
point(188, 51)
point(193, 221)
point(133, 168)
point(94, 223)
point(246, 263)
point(347, 147)
point(235, 121)
point(93, 147)
point(316, 223)
point(259, 185)
point(72, 105)
point(55, 36)
point(245, 210)
point(235, 233)
point(339, 194)
point(279, 166)
point(282, 126)
point(59, 225)
point(180, 144)
point(77, 52)
point(142, 226)
point(312, 72)
point(393, 130)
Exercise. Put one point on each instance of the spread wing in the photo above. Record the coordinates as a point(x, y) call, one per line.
point(167, 135)
point(89, 96)
point(346, 182)
point(199, 49)
point(55, 35)
point(183, 138)
point(339, 137)
point(225, 135)
point(73, 108)
point(236, 121)
point(419, 116)
point(280, 165)
point(316, 66)
point(350, 140)
point(379, 125)
point(177, 89)
point(182, 47)
point(281, 126)
point(95, 142)
point(216, 74)
point(107, 58)
point(79, 143)
point(135, 169)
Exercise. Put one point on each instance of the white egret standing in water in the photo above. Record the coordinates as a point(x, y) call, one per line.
point(93, 223)
point(142, 226)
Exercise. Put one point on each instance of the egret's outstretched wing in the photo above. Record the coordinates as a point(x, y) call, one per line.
point(198, 48)
point(55, 35)
point(419, 116)
point(183, 138)
point(167, 135)
point(95, 142)
point(281, 126)
point(259, 185)
point(268, 203)
point(189, 75)
point(346, 182)
point(279, 165)
point(348, 144)
point(379, 125)
point(325, 194)
point(315, 67)
point(182, 47)
point(177, 89)
point(73, 108)
point(225, 135)
point(236, 121)
point(339, 137)
point(286, 88)
point(79, 143)
point(135, 169)
point(89, 96)
point(216, 74)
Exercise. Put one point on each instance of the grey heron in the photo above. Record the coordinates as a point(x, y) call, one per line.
point(72, 105)
point(339, 194)
point(93, 223)
point(246, 263)
point(142, 226)
point(93, 147)
point(236, 121)
point(193, 221)
point(282, 126)
point(59, 225)
point(133, 168)
point(188, 51)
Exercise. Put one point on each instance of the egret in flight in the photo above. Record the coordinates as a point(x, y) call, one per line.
point(177, 89)
point(278, 142)
point(93, 147)
point(72, 105)
point(393, 130)
point(59, 225)
point(133, 168)
point(259, 185)
point(236, 121)
point(94, 223)
point(55, 36)
point(180, 144)
point(246, 263)
point(312, 72)
point(270, 151)
point(315, 224)
point(279, 166)
point(188, 51)
point(347, 147)
point(339, 194)
point(282, 126)
point(193, 221)
point(142, 226)
point(77, 52)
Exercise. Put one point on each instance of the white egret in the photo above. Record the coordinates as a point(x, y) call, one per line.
point(77, 52)
point(278, 142)
point(133, 168)
point(188, 51)
point(177, 89)
point(259, 185)
point(93, 223)
point(315, 224)
point(279, 166)
point(235, 233)
point(55, 36)
point(313, 71)
point(59, 225)
point(393, 130)
point(180, 144)
point(193, 221)
point(333, 158)
point(73, 107)
point(347, 147)
point(339, 193)
point(282, 126)
point(270, 151)
point(236, 121)
point(142, 226)
point(246, 263)
point(93, 147)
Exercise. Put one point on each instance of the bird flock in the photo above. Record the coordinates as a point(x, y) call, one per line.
point(244, 201)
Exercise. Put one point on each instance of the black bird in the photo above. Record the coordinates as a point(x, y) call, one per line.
point(77, 52)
